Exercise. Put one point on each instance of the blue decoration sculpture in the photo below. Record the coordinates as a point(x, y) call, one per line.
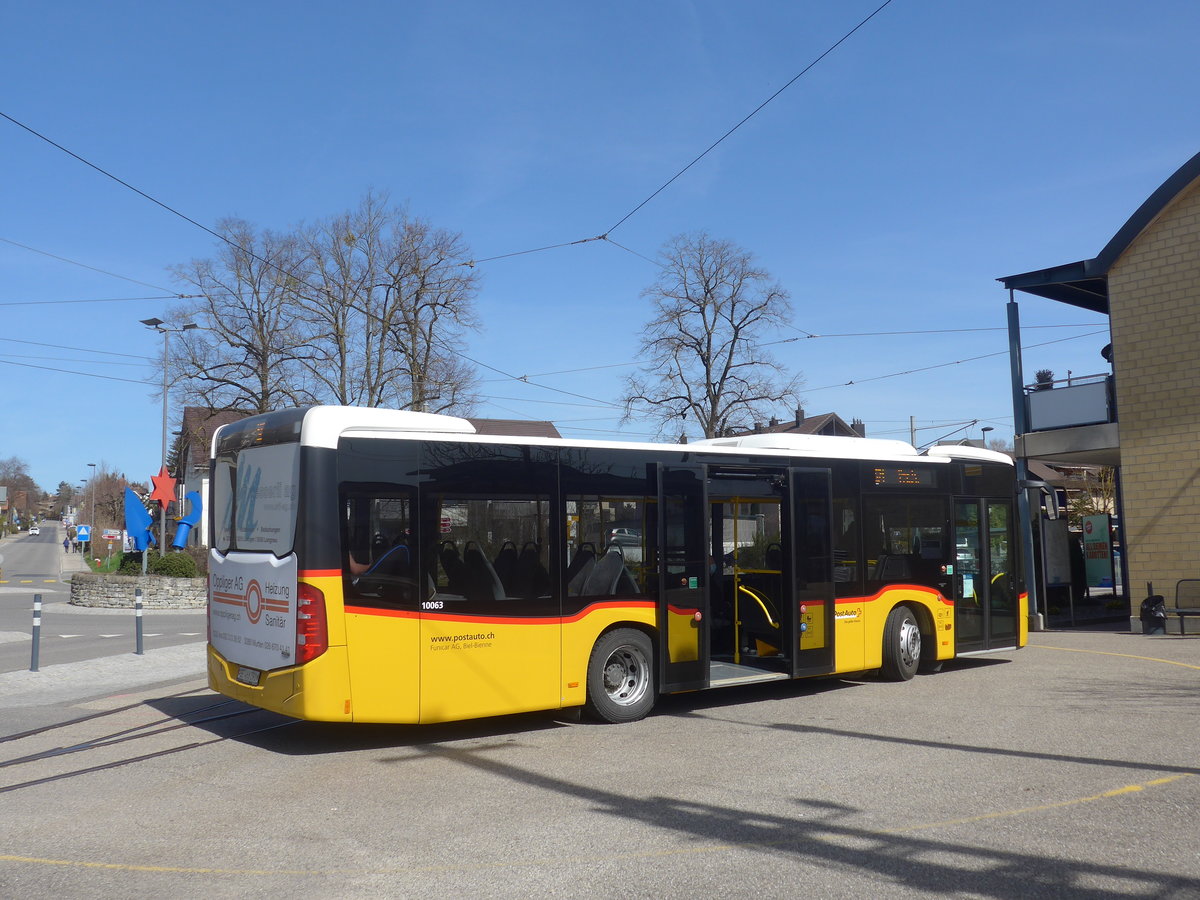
point(138, 521)
point(186, 523)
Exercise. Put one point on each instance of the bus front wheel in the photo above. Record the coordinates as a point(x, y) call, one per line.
point(620, 677)
point(901, 645)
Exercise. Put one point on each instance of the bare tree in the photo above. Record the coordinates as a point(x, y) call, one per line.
point(348, 311)
point(250, 350)
point(705, 364)
point(429, 308)
point(1094, 493)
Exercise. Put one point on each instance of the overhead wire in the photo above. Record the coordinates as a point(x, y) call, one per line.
point(90, 362)
point(946, 364)
point(97, 300)
point(8, 362)
point(939, 330)
point(746, 119)
point(74, 262)
point(64, 347)
point(119, 181)
point(473, 262)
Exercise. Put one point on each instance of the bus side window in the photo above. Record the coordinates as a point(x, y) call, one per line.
point(377, 561)
point(906, 543)
point(488, 549)
point(606, 551)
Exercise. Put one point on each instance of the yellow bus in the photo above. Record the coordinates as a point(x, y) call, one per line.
point(374, 565)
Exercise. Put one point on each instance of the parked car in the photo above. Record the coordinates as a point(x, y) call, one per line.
point(33, 529)
point(625, 537)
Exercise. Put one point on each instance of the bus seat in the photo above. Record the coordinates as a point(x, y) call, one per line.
point(892, 568)
point(626, 584)
point(602, 580)
point(505, 565)
point(394, 562)
point(482, 582)
point(530, 580)
point(452, 565)
point(580, 568)
point(773, 557)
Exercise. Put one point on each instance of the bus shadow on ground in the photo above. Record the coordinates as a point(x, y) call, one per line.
point(821, 834)
point(291, 737)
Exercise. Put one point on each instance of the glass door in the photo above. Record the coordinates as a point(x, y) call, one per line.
point(809, 615)
point(683, 577)
point(985, 601)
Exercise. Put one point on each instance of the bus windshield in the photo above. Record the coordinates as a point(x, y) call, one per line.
point(255, 494)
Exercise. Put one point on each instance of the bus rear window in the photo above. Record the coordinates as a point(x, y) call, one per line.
point(255, 495)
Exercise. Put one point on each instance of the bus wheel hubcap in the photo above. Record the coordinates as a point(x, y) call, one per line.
point(626, 676)
point(910, 642)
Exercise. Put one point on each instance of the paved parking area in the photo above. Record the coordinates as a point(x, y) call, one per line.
point(1068, 769)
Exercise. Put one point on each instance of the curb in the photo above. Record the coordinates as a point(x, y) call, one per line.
point(69, 682)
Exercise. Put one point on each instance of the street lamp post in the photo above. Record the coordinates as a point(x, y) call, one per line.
point(92, 524)
point(161, 326)
point(983, 432)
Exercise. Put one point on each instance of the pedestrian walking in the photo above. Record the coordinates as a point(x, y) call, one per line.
point(66, 545)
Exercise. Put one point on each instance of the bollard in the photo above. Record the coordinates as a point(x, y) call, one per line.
point(37, 631)
point(137, 605)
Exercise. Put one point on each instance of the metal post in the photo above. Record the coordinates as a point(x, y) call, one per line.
point(37, 631)
point(1021, 426)
point(162, 528)
point(137, 605)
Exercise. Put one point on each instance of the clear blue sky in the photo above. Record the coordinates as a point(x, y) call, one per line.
point(941, 146)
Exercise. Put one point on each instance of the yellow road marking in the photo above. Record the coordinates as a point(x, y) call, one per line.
point(712, 848)
point(1169, 662)
point(1107, 795)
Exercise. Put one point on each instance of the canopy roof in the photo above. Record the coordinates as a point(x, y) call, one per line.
point(1085, 283)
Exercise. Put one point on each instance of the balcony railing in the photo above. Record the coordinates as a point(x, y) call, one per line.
point(1065, 403)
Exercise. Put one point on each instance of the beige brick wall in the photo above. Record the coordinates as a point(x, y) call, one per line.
point(1154, 293)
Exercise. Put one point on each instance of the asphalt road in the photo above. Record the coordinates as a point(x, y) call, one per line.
point(32, 564)
point(1066, 770)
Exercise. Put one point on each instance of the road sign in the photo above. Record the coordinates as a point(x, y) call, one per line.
point(83, 532)
point(112, 534)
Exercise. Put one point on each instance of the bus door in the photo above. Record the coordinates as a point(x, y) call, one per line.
point(682, 558)
point(985, 598)
point(808, 569)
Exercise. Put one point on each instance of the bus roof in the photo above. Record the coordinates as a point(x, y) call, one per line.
point(324, 426)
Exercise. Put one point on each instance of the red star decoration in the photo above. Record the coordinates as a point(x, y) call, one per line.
point(164, 487)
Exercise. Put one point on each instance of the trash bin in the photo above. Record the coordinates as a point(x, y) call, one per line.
point(1154, 615)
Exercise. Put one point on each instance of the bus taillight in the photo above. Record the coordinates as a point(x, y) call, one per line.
point(312, 630)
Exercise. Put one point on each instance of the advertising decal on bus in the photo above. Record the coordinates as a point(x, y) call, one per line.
point(265, 488)
point(252, 609)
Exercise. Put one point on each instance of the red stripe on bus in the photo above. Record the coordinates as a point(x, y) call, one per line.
point(387, 613)
point(320, 573)
point(895, 587)
point(503, 620)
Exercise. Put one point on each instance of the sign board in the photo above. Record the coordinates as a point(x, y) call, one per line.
point(83, 532)
point(112, 534)
point(1097, 550)
point(252, 608)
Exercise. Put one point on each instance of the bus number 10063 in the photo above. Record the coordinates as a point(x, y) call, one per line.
point(432, 604)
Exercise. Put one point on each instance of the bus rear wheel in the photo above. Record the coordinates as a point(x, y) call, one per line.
point(901, 645)
point(620, 677)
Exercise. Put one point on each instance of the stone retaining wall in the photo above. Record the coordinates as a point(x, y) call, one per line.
point(158, 591)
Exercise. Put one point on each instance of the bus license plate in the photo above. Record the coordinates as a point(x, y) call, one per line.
point(248, 676)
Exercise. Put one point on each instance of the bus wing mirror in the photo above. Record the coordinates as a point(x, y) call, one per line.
point(1050, 505)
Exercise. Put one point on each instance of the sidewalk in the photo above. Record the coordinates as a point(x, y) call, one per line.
point(72, 682)
point(69, 563)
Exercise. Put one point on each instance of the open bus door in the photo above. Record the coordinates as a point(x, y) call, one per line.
point(681, 554)
point(809, 617)
point(986, 603)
